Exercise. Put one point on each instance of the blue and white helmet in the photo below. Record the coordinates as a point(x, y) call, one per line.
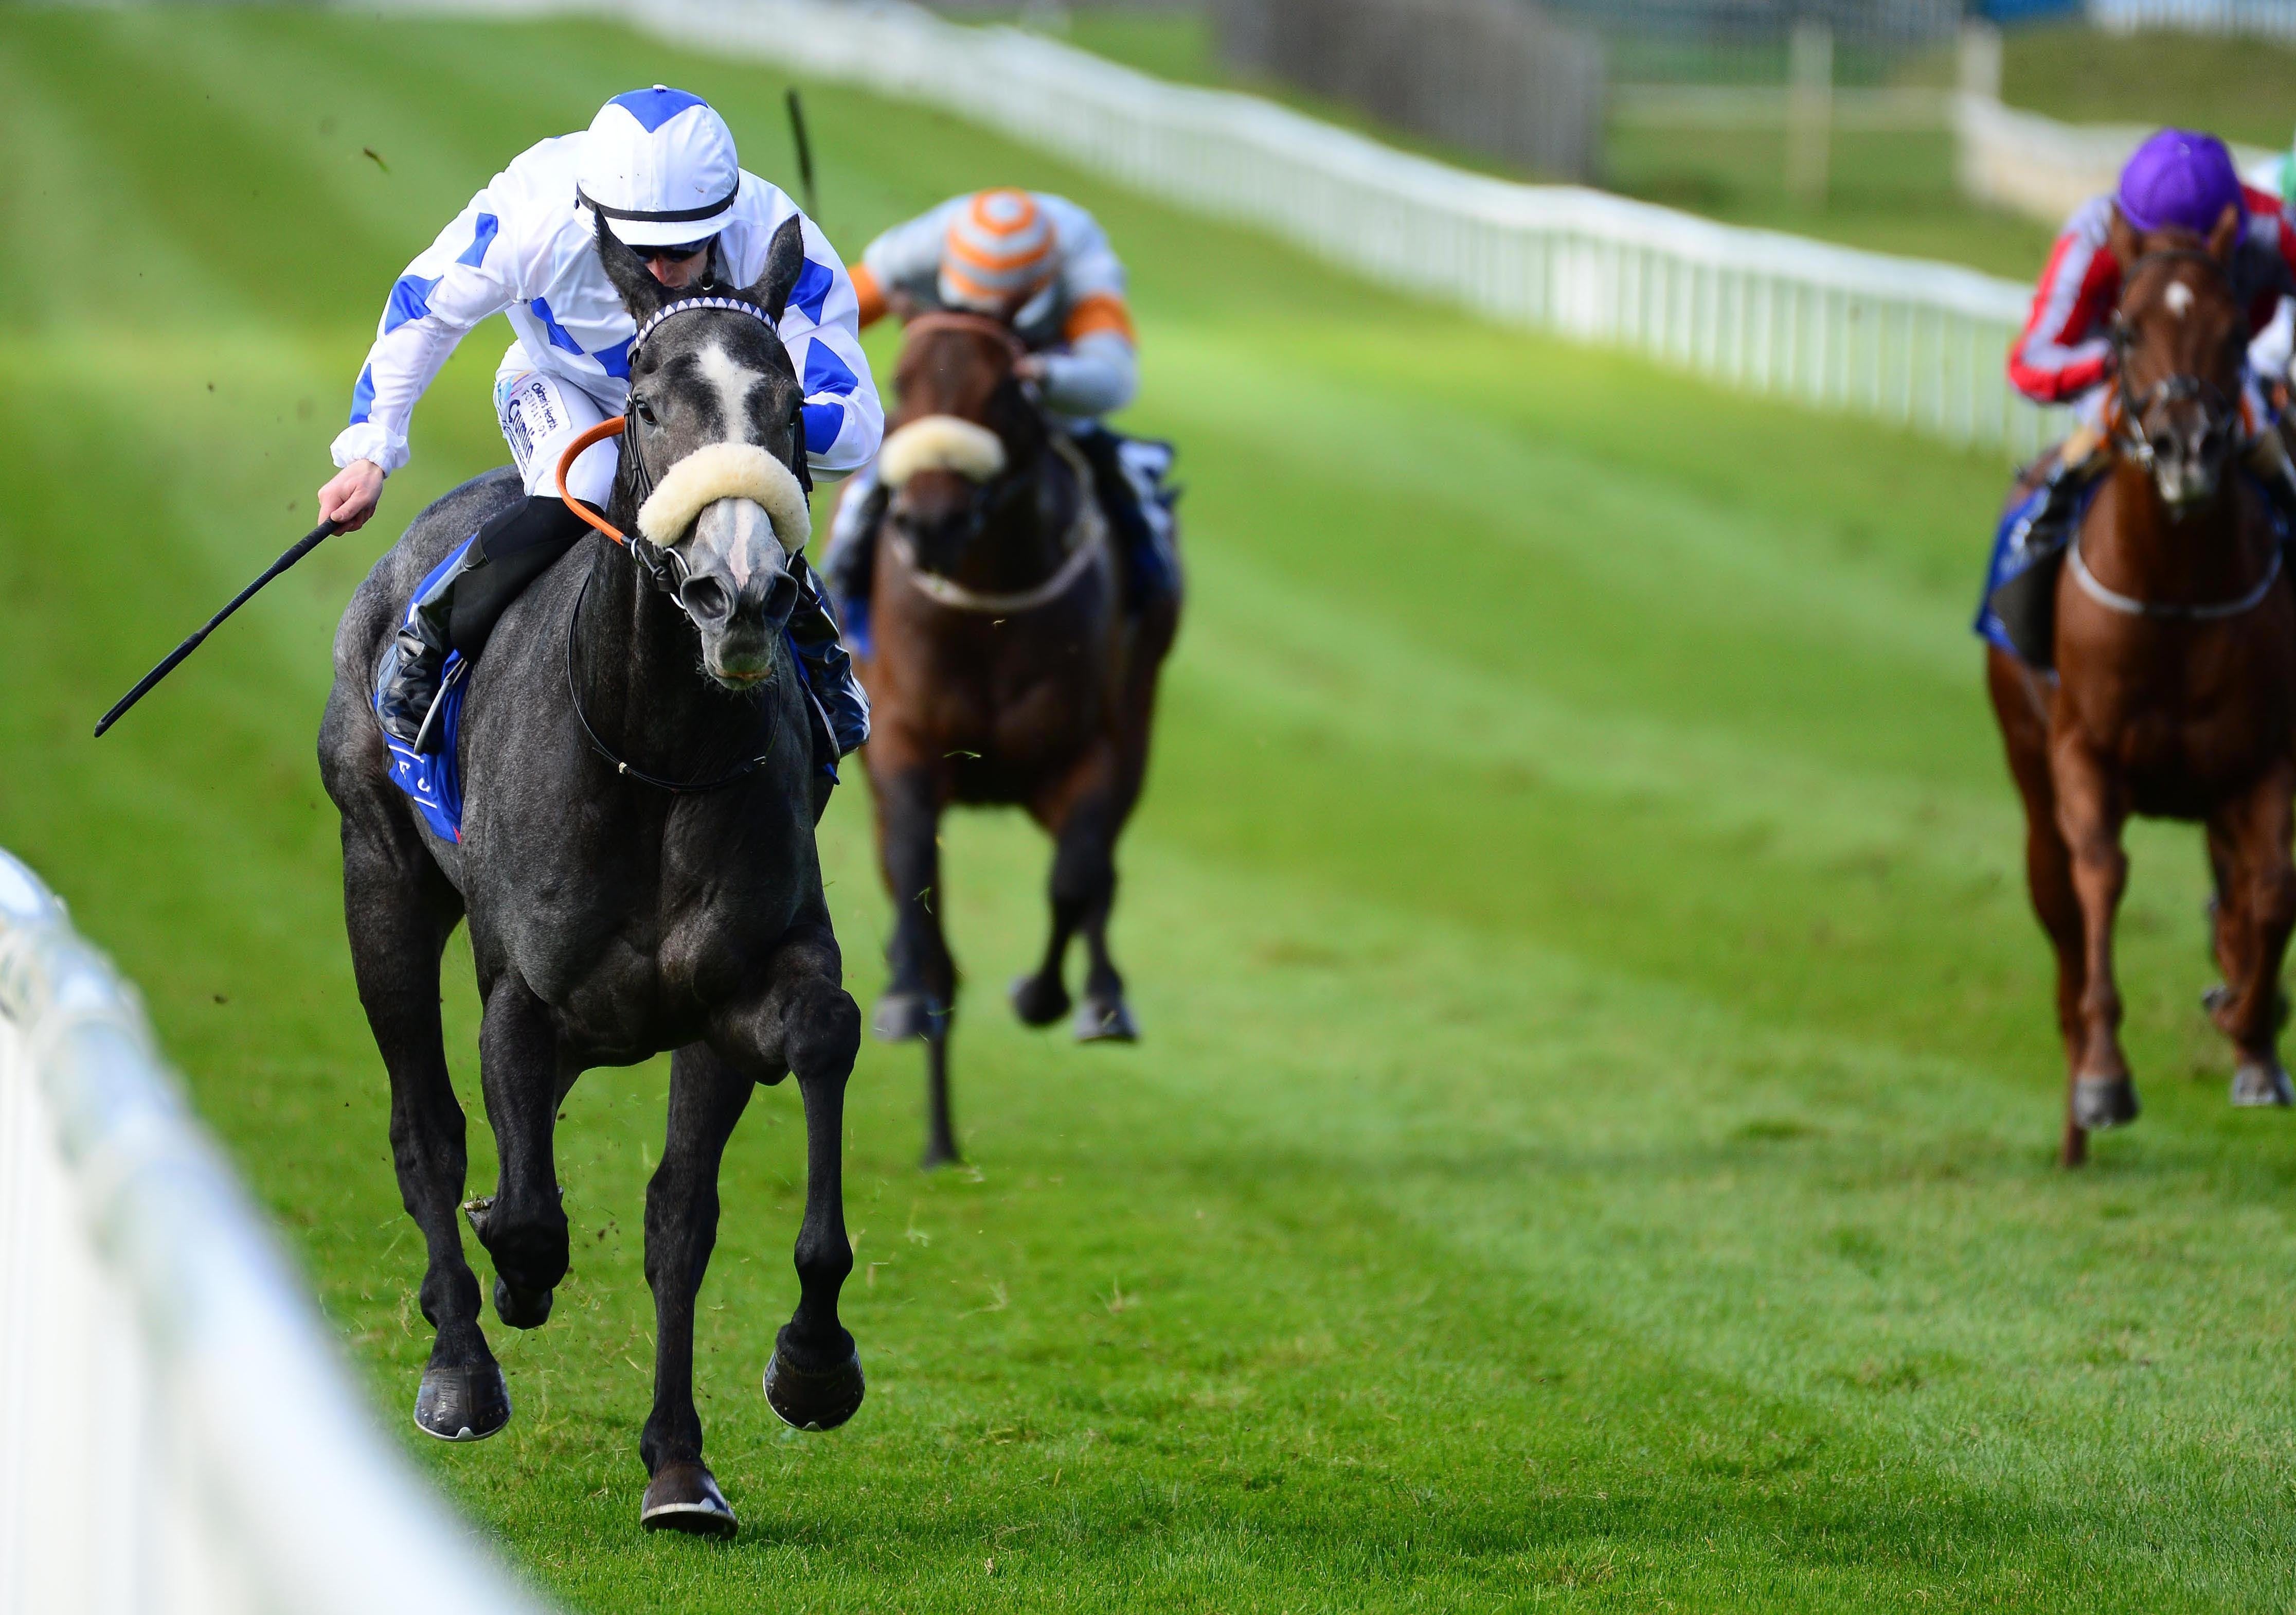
point(660, 165)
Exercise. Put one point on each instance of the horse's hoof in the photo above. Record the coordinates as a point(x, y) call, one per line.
point(2259, 1083)
point(939, 1153)
point(1039, 1000)
point(811, 1401)
point(684, 1497)
point(2103, 1101)
point(1105, 1020)
point(521, 1308)
point(463, 1403)
point(906, 1018)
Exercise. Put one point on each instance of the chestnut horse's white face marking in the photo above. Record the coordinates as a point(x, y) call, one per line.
point(2179, 299)
point(734, 380)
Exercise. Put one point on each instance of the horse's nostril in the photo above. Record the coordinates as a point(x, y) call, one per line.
point(706, 600)
point(780, 598)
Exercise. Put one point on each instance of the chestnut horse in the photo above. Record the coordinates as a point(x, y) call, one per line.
point(2174, 686)
point(1004, 669)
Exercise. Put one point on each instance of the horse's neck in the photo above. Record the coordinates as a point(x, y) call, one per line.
point(2156, 555)
point(638, 677)
point(1024, 538)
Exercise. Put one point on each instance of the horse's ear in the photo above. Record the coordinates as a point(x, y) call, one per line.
point(642, 294)
point(2226, 235)
point(784, 262)
point(2120, 238)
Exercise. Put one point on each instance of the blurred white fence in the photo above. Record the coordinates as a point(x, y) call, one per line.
point(2267, 19)
point(1917, 343)
point(175, 1431)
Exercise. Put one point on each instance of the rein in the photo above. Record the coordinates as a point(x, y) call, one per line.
point(675, 787)
point(1090, 529)
point(2125, 416)
point(667, 568)
point(2159, 611)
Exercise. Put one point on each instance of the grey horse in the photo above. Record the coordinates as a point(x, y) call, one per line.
point(639, 871)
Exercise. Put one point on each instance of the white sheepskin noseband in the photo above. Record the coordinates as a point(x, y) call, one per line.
point(940, 443)
point(726, 471)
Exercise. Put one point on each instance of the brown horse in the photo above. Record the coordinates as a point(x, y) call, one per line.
point(1005, 669)
point(2174, 686)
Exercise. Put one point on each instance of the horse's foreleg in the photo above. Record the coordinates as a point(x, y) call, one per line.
point(921, 994)
point(399, 911)
point(2261, 899)
point(522, 1225)
point(814, 1380)
point(707, 1097)
point(2090, 814)
point(2024, 714)
point(920, 1001)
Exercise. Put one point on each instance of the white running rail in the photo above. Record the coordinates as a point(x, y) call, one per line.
point(176, 1433)
point(2267, 19)
point(1919, 342)
point(1909, 340)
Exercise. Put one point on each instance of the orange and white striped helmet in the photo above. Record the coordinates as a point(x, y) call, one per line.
point(998, 253)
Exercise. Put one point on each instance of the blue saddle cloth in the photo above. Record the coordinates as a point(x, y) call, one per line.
point(434, 784)
point(2017, 549)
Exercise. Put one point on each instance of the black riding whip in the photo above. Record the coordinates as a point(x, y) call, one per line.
point(804, 154)
point(304, 546)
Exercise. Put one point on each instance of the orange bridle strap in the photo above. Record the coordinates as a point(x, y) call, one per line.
point(598, 433)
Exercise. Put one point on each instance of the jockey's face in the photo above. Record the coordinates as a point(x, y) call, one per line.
point(680, 266)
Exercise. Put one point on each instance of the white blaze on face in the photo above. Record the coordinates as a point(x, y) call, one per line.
point(2179, 299)
point(733, 380)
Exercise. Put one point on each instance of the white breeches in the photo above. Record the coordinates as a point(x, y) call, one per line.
point(541, 413)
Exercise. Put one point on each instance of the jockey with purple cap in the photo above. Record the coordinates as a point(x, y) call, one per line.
point(658, 166)
point(2177, 179)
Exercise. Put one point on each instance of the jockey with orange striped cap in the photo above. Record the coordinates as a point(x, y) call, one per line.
point(1043, 265)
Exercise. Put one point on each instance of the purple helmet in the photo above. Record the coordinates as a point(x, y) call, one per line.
point(2179, 179)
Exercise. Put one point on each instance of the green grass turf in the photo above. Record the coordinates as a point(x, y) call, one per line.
point(1592, 1144)
point(2243, 89)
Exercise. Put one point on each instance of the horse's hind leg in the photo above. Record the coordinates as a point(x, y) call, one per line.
point(521, 1224)
point(707, 1097)
point(399, 911)
point(1084, 814)
point(2260, 905)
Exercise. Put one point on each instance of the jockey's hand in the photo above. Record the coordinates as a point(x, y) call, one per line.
point(350, 495)
point(900, 305)
point(1029, 368)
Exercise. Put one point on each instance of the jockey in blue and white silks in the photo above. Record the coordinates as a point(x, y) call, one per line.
point(660, 165)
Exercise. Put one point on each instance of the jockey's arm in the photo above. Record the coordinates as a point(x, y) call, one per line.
point(2063, 353)
point(460, 279)
point(1096, 370)
point(843, 417)
point(907, 256)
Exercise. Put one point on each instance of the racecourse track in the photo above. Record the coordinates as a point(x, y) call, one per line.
point(1592, 1143)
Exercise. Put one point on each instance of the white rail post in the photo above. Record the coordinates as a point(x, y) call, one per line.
point(176, 1433)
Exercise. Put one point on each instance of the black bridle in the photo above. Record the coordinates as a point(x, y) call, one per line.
point(2218, 409)
point(667, 570)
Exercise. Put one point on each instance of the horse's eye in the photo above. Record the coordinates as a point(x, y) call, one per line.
point(642, 408)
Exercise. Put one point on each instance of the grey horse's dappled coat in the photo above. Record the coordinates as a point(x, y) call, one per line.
point(611, 919)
